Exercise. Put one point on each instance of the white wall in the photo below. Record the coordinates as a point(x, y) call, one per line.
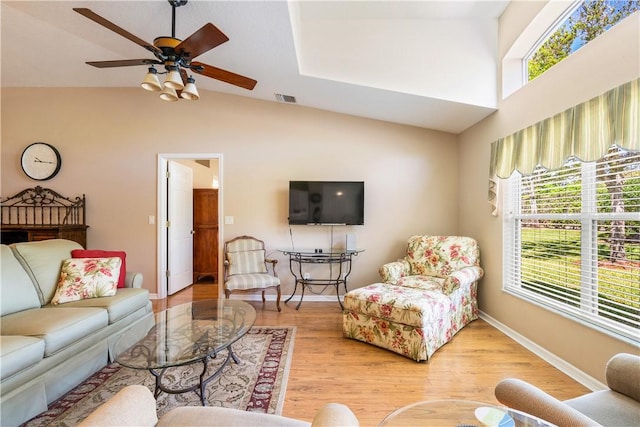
point(110, 138)
point(604, 63)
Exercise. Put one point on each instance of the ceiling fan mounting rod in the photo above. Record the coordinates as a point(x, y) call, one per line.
point(174, 4)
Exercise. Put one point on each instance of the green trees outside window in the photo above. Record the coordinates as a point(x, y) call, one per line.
point(588, 21)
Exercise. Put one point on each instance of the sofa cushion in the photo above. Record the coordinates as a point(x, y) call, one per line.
point(59, 327)
point(123, 303)
point(97, 253)
point(82, 278)
point(18, 353)
point(42, 261)
point(17, 292)
point(409, 306)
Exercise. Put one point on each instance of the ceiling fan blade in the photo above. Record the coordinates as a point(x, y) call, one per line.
point(223, 75)
point(206, 38)
point(123, 63)
point(184, 75)
point(88, 13)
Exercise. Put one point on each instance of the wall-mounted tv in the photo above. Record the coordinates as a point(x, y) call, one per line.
point(326, 202)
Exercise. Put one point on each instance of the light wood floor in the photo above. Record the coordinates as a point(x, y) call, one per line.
point(374, 382)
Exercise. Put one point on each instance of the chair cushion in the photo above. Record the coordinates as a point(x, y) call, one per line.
point(440, 255)
point(426, 283)
point(18, 353)
point(251, 281)
point(228, 417)
point(246, 262)
point(58, 329)
point(243, 244)
point(608, 408)
point(400, 304)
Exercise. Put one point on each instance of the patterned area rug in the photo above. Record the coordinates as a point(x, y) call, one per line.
point(258, 383)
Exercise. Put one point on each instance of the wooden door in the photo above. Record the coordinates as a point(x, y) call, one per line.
point(205, 238)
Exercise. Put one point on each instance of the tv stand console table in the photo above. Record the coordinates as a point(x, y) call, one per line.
point(340, 258)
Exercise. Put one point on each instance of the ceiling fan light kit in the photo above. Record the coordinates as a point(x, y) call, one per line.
point(190, 91)
point(168, 94)
point(174, 80)
point(151, 81)
point(176, 56)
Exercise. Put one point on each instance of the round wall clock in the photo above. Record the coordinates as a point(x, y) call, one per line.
point(41, 161)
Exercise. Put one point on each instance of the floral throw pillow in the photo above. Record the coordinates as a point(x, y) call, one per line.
point(82, 278)
point(97, 253)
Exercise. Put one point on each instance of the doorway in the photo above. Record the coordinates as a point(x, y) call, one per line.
point(197, 161)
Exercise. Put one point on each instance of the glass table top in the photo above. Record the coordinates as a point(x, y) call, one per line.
point(320, 252)
point(456, 413)
point(187, 333)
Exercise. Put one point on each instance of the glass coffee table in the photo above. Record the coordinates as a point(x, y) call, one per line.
point(460, 413)
point(194, 332)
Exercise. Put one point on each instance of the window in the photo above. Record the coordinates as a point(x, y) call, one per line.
point(572, 241)
point(582, 22)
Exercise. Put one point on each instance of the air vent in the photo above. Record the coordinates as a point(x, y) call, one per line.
point(286, 98)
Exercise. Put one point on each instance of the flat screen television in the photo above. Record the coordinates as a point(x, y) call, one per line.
point(326, 202)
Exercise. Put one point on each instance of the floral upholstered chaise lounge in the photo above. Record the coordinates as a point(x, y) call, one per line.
point(424, 300)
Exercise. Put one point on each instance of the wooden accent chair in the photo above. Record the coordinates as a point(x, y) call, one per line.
point(245, 268)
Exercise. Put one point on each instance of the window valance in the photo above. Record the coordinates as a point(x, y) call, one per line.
point(585, 131)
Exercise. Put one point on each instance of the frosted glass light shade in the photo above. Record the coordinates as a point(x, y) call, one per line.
point(168, 94)
point(174, 79)
point(190, 91)
point(151, 81)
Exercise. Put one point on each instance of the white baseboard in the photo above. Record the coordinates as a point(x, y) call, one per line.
point(271, 297)
point(575, 373)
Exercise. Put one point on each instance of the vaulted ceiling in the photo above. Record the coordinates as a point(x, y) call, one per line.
point(431, 64)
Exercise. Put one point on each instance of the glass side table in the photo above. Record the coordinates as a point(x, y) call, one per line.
point(341, 259)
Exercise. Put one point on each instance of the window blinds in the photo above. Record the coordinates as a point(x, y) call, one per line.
point(572, 240)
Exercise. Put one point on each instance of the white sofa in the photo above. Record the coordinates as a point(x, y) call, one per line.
point(45, 349)
point(134, 405)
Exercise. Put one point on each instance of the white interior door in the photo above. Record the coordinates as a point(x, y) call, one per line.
point(180, 227)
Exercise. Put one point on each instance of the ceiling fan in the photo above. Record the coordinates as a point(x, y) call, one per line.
point(175, 55)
